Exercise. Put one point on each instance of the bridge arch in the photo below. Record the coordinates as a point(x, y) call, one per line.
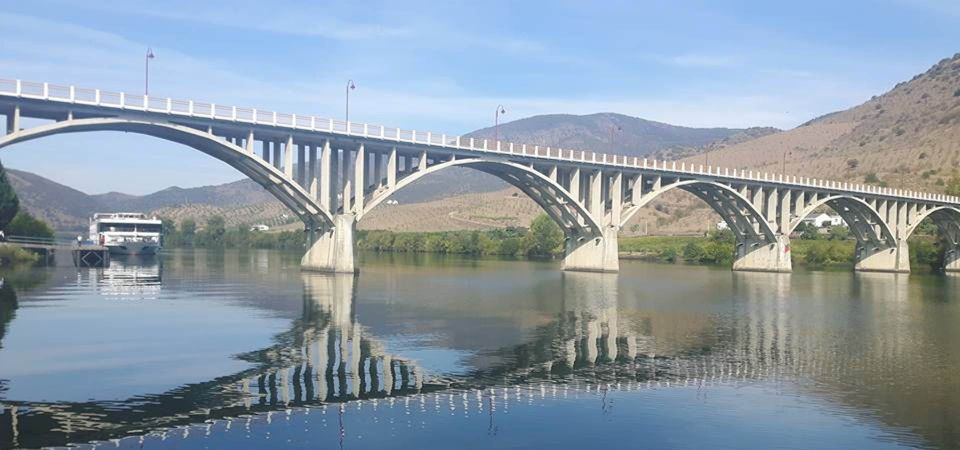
point(556, 201)
point(946, 218)
point(862, 219)
point(738, 212)
point(273, 180)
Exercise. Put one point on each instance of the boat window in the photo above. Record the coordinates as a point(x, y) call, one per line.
point(107, 226)
point(148, 228)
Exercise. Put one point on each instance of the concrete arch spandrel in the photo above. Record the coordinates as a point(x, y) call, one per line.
point(286, 190)
point(559, 204)
point(746, 212)
point(853, 207)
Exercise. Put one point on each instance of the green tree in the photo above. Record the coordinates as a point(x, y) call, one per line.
point(9, 203)
point(215, 231)
point(168, 231)
point(544, 237)
point(838, 233)
point(808, 231)
point(23, 224)
point(188, 232)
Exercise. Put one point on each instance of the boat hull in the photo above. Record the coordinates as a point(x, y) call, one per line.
point(134, 248)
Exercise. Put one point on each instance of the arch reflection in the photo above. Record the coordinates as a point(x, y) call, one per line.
point(776, 328)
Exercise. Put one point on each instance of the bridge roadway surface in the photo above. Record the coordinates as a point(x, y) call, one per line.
point(332, 173)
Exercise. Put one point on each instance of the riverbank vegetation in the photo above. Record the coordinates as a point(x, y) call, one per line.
point(15, 221)
point(543, 239)
point(215, 234)
point(831, 247)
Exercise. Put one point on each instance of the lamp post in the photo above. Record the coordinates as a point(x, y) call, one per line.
point(496, 123)
point(146, 71)
point(350, 86)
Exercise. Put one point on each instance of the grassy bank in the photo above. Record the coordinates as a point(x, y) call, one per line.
point(925, 252)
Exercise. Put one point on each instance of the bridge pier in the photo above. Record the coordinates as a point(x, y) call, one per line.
point(333, 248)
point(754, 256)
point(892, 259)
point(597, 254)
point(951, 260)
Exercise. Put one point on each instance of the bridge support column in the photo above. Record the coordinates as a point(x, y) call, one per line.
point(332, 249)
point(951, 259)
point(598, 254)
point(764, 256)
point(893, 259)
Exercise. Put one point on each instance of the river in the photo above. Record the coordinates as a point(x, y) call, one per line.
point(242, 350)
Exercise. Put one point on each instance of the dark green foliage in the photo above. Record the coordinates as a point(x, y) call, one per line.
point(9, 203)
point(24, 224)
point(871, 178)
point(8, 307)
point(216, 235)
point(717, 248)
point(807, 231)
point(827, 253)
point(926, 252)
point(838, 233)
point(543, 239)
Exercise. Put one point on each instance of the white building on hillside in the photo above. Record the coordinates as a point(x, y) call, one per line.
point(824, 220)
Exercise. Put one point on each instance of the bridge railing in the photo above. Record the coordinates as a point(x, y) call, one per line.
point(163, 105)
point(40, 241)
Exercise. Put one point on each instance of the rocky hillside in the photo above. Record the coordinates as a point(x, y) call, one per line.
point(908, 137)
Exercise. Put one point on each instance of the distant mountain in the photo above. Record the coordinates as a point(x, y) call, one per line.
point(601, 132)
point(606, 133)
point(66, 208)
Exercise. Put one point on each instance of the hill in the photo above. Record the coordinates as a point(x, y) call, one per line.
point(908, 137)
point(68, 209)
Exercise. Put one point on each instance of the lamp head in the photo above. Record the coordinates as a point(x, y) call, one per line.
point(150, 54)
point(351, 85)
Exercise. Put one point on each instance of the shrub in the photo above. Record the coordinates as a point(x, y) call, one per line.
point(693, 252)
point(16, 255)
point(23, 224)
point(9, 203)
point(871, 178)
point(956, 93)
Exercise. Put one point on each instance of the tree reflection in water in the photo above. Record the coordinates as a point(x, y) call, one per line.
point(594, 346)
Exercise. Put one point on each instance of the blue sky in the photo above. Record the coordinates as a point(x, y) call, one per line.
point(444, 66)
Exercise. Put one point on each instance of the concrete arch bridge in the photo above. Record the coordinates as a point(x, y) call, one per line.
point(331, 174)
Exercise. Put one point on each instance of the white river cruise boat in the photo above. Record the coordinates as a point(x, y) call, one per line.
point(126, 233)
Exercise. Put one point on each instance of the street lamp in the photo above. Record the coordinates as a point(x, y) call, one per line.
point(350, 87)
point(146, 71)
point(496, 122)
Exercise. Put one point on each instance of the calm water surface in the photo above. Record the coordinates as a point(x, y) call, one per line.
point(241, 350)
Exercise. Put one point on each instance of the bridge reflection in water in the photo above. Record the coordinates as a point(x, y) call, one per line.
point(328, 359)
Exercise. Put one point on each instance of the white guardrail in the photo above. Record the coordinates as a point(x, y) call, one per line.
point(190, 108)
